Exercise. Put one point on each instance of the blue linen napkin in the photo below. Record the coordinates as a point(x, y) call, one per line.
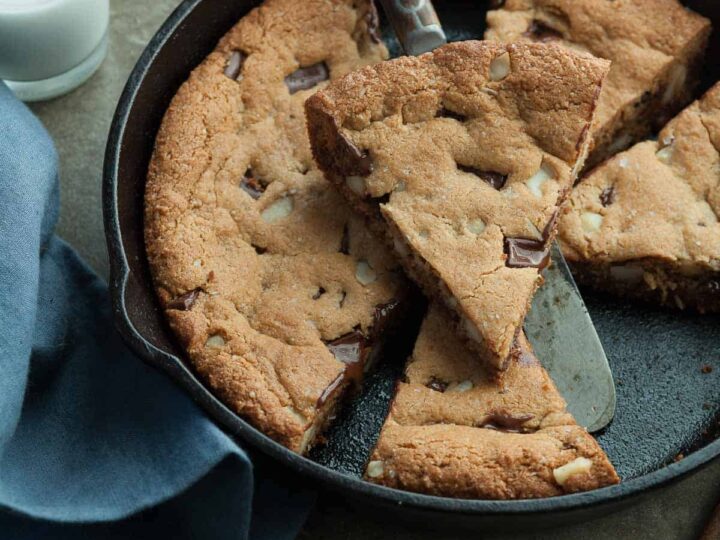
point(94, 443)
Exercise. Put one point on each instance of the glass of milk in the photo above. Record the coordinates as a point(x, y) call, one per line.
point(49, 47)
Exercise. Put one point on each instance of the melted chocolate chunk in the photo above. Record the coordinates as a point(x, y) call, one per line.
point(437, 385)
point(345, 241)
point(352, 350)
point(185, 301)
point(539, 31)
point(251, 185)
point(607, 197)
point(382, 313)
point(307, 77)
point(495, 179)
point(234, 64)
point(526, 253)
point(259, 250)
point(502, 420)
point(373, 23)
point(319, 293)
point(447, 113)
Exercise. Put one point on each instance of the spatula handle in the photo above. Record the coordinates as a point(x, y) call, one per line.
point(416, 25)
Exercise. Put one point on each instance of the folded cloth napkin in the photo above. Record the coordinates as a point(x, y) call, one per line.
point(92, 441)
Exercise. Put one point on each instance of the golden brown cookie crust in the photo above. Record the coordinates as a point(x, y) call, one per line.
point(453, 432)
point(416, 143)
point(656, 49)
point(645, 224)
point(256, 259)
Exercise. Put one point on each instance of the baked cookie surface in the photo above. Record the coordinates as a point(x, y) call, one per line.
point(644, 224)
point(460, 159)
point(268, 279)
point(656, 49)
point(453, 432)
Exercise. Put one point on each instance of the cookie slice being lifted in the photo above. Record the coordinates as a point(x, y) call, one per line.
point(645, 223)
point(453, 432)
point(460, 158)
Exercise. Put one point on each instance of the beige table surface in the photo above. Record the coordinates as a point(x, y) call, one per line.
point(79, 123)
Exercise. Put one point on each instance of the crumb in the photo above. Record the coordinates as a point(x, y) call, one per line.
point(679, 457)
point(707, 368)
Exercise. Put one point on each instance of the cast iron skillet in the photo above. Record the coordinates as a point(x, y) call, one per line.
point(667, 405)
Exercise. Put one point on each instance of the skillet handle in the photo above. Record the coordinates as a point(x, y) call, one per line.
point(416, 25)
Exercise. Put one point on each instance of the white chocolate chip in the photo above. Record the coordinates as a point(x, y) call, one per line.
point(500, 67)
point(623, 163)
point(400, 247)
point(356, 184)
point(364, 273)
point(400, 186)
point(471, 331)
point(591, 222)
point(278, 210)
point(665, 154)
point(476, 226)
point(197, 263)
point(460, 387)
point(375, 469)
point(536, 181)
point(579, 465)
point(216, 341)
point(308, 438)
point(675, 84)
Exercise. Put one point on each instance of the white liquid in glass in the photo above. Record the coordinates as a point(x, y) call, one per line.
point(48, 47)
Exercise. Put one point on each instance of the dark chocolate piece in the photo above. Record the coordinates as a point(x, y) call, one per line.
point(381, 314)
point(607, 197)
point(352, 350)
point(345, 240)
point(307, 77)
point(539, 31)
point(447, 113)
point(259, 250)
point(184, 302)
point(437, 385)
point(251, 185)
point(550, 227)
point(526, 253)
point(495, 179)
point(319, 293)
point(234, 64)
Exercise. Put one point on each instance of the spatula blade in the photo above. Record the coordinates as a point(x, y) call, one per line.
point(564, 338)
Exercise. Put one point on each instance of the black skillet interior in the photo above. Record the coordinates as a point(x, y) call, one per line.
point(668, 402)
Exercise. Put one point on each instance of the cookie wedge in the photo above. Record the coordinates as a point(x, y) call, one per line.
point(656, 48)
point(452, 431)
point(644, 224)
point(460, 159)
point(272, 285)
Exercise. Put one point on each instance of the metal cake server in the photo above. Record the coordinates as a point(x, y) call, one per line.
point(558, 325)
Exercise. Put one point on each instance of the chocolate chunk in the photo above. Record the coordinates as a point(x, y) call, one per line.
point(373, 23)
point(319, 293)
point(330, 390)
point(526, 253)
point(185, 301)
point(251, 185)
point(495, 179)
point(234, 65)
point(307, 77)
point(447, 113)
point(350, 349)
point(502, 420)
point(259, 250)
point(607, 197)
point(539, 31)
point(382, 313)
point(497, 3)
point(437, 385)
point(345, 241)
